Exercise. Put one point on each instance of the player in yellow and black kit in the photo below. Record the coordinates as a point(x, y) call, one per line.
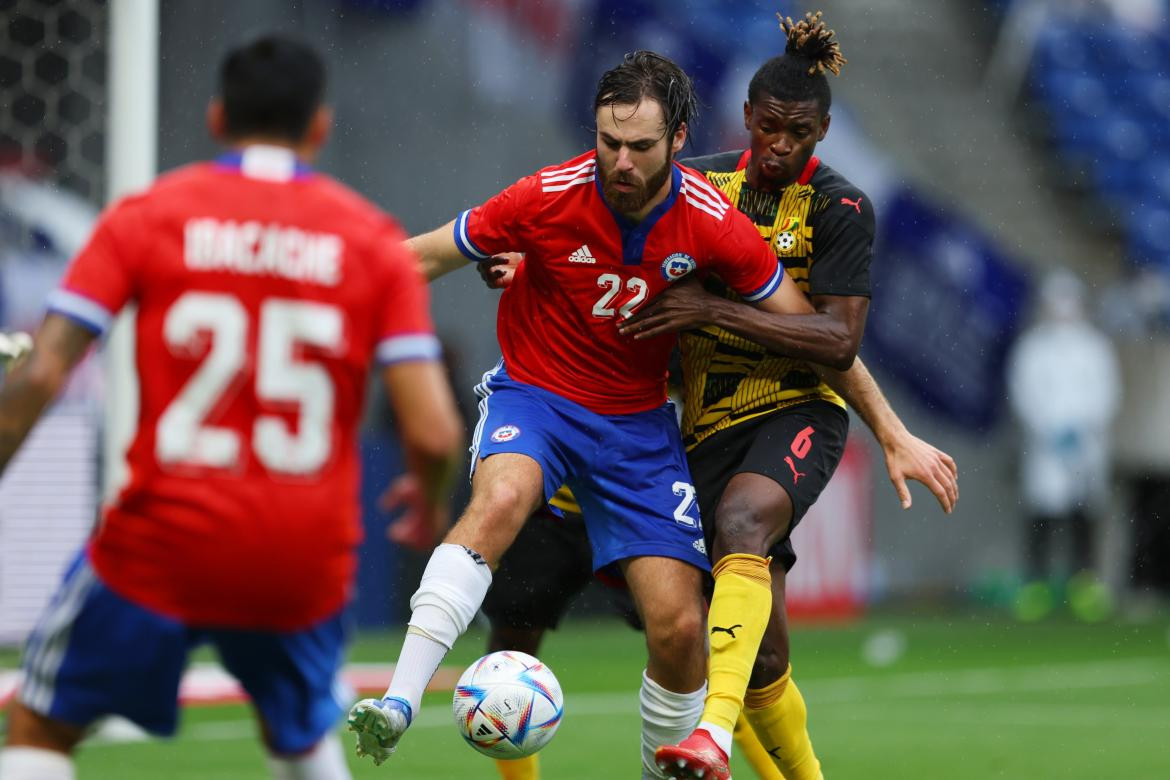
point(764, 433)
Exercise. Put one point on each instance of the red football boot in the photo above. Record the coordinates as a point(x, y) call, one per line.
point(695, 758)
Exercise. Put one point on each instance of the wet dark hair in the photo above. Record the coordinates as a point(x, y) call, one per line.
point(798, 74)
point(271, 87)
point(644, 74)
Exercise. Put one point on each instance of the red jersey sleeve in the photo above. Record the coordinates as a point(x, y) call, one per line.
point(405, 330)
point(102, 277)
point(502, 224)
point(743, 260)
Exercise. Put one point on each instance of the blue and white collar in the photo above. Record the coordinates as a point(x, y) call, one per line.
point(267, 163)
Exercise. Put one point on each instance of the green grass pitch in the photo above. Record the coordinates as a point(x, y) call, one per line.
point(940, 697)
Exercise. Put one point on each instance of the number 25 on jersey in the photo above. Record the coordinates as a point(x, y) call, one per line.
point(183, 436)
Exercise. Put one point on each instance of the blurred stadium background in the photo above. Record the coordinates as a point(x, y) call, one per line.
point(999, 140)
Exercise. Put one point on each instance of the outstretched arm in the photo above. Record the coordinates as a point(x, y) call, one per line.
point(838, 323)
point(35, 381)
point(907, 456)
point(437, 251)
point(827, 338)
point(432, 437)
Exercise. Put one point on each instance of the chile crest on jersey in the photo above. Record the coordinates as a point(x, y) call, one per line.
point(676, 266)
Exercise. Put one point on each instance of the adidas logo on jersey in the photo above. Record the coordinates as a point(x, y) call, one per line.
point(582, 255)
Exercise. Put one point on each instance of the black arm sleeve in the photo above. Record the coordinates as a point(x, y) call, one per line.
point(842, 244)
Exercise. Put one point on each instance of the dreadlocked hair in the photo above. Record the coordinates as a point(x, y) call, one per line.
point(798, 74)
point(644, 74)
point(809, 38)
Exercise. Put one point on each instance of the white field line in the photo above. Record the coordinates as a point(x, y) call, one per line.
point(861, 692)
point(1024, 715)
point(991, 680)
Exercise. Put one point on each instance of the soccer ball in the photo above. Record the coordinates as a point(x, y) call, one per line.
point(508, 705)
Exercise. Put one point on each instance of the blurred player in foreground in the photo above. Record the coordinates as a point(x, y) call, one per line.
point(264, 292)
point(575, 402)
point(763, 433)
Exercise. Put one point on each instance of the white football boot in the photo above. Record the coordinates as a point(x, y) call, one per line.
point(379, 724)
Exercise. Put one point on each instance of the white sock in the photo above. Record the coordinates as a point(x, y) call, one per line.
point(667, 718)
point(326, 761)
point(29, 763)
point(417, 662)
point(452, 589)
point(721, 736)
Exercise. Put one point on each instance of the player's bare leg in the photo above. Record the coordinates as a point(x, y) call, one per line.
point(37, 747)
point(668, 596)
point(506, 489)
point(752, 515)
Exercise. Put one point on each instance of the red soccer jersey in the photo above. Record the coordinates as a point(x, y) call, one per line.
point(264, 292)
point(586, 267)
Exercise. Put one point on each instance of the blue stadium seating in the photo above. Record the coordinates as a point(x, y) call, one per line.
point(1106, 90)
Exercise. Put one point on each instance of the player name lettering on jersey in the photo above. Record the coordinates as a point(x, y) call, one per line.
point(256, 249)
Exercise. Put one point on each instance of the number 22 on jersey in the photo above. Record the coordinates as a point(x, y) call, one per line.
point(183, 436)
point(612, 285)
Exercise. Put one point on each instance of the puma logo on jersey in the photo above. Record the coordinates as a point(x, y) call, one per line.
point(730, 630)
point(796, 475)
point(582, 255)
point(854, 203)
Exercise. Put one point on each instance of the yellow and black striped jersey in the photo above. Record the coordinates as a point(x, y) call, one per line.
point(821, 228)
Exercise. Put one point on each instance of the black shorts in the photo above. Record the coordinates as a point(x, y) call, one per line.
point(797, 447)
point(547, 566)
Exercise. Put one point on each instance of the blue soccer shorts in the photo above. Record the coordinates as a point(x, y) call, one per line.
point(628, 471)
point(94, 653)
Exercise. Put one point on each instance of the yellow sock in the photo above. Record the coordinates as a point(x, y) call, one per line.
point(780, 719)
point(753, 751)
point(520, 768)
point(740, 608)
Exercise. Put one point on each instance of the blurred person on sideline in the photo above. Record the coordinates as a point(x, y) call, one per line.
point(1064, 387)
point(265, 292)
point(1136, 312)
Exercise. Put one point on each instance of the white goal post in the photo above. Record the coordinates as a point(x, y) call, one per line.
point(132, 156)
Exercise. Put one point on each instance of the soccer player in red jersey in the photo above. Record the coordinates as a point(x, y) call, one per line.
point(763, 432)
point(265, 292)
point(576, 402)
